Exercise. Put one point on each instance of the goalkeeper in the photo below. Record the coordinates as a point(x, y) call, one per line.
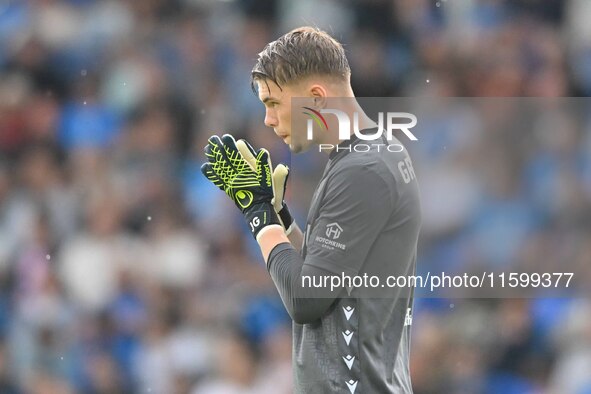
point(367, 204)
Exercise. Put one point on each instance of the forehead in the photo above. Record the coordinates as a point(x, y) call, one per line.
point(266, 88)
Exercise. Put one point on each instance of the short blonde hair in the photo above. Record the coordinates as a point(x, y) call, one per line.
point(302, 52)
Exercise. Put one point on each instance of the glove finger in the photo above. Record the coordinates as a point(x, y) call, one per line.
point(248, 153)
point(264, 168)
point(214, 149)
point(250, 147)
point(216, 155)
point(232, 154)
point(229, 141)
point(210, 174)
point(280, 175)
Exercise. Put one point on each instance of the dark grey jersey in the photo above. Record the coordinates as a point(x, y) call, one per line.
point(364, 219)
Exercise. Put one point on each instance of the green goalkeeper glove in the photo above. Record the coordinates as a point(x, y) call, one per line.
point(280, 175)
point(251, 188)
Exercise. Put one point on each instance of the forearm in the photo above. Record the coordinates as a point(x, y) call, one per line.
point(296, 237)
point(287, 269)
point(269, 238)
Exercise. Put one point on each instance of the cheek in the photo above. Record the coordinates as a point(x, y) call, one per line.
point(285, 116)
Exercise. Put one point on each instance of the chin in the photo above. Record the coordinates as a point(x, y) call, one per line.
point(298, 148)
point(295, 148)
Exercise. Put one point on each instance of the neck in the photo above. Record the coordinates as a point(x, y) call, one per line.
point(352, 109)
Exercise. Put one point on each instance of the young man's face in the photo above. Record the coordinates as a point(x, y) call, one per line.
point(278, 114)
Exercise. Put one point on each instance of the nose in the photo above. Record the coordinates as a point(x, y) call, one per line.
point(270, 118)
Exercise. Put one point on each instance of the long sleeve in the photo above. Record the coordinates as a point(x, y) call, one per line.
point(304, 303)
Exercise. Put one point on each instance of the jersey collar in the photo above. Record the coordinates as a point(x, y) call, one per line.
point(340, 150)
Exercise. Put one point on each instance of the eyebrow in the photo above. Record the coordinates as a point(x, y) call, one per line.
point(269, 98)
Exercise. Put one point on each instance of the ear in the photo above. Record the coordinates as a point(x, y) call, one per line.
point(318, 94)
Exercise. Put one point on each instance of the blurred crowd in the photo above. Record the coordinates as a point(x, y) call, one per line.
point(122, 270)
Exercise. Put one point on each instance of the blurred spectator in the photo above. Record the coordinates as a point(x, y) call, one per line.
point(91, 262)
point(123, 271)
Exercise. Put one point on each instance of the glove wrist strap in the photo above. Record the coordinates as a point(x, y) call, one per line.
point(260, 215)
point(286, 218)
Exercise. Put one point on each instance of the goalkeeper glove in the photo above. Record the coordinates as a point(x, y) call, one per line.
point(251, 188)
point(280, 175)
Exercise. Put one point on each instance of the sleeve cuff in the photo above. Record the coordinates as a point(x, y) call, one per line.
point(276, 250)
